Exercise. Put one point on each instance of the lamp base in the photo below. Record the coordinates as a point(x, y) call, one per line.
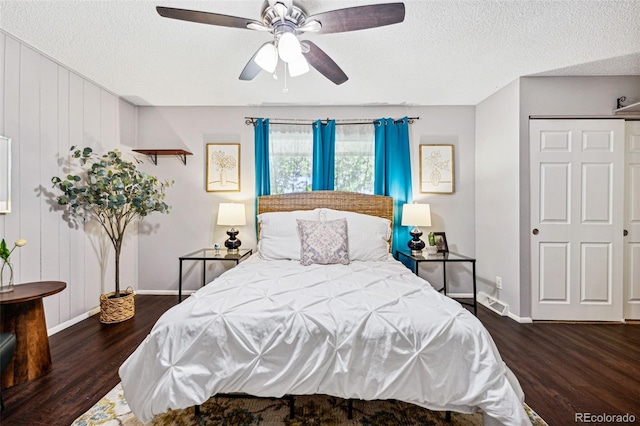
point(232, 244)
point(416, 244)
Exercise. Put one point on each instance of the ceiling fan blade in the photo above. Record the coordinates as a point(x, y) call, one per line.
point(205, 17)
point(252, 69)
point(359, 17)
point(323, 63)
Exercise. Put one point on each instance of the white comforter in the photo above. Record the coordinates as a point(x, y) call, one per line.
point(368, 330)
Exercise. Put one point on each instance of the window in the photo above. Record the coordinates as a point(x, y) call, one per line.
point(291, 154)
point(355, 155)
point(290, 158)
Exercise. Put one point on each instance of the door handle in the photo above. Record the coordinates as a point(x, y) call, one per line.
point(535, 231)
point(625, 233)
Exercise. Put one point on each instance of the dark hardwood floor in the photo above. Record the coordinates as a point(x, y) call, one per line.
point(86, 358)
point(564, 369)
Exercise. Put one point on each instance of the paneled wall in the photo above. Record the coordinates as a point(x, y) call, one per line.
point(45, 108)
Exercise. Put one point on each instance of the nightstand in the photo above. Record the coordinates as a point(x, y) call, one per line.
point(207, 255)
point(444, 258)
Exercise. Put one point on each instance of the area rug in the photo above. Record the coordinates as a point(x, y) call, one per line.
point(319, 410)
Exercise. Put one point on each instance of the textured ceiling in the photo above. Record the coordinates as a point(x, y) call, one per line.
point(444, 53)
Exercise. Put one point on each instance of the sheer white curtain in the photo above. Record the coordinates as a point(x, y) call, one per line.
point(290, 154)
point(355, 156)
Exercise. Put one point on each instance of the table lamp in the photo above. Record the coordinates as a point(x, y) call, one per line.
point(416, 215)
point(232, 214)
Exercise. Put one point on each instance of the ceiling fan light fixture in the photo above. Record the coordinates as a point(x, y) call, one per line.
point(289, 47)
point(267, 58)
point(281, 10)
point(298, 66)
point(311, 26)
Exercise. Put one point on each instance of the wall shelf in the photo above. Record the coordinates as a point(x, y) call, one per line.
point(629, 109)
point(153, 154)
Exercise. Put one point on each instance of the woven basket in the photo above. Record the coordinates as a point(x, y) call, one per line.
point(116, 309)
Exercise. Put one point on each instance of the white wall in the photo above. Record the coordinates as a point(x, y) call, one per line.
point(191, 223)
point(502, 132)
point(497, 195)
point(582, 96)
point(45, 108)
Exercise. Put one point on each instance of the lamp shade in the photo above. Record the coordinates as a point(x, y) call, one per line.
point(416, 215)
point(231, 214)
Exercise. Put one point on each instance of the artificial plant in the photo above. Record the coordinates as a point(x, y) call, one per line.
point(113, 192)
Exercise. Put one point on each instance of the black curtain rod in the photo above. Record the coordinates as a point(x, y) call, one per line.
point(305, 122)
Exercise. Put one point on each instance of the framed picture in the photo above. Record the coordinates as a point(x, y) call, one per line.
point(223, 167)
point(436, 169)
point(5, 174)
point(441, 242)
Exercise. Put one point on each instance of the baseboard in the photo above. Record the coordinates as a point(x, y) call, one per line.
point(72, 321)
point(58, 328)
point(483, 299)
point(164, 292)
point(521, 320)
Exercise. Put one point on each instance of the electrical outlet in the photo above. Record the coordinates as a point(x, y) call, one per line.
point(499, 283)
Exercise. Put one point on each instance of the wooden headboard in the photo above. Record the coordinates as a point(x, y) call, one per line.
point(373, 205)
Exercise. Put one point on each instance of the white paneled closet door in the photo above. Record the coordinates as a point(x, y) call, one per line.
point(632, 223)
point(577, 199)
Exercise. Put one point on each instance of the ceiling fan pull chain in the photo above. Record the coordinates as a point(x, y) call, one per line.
point(285, 89)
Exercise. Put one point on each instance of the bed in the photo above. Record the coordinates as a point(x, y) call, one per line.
point(362, 328)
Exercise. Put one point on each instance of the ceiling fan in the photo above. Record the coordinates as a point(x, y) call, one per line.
point(286, 22)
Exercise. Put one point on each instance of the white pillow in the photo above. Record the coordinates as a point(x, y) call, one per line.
point(368, 235)
point(279, 233)
point(324, 243)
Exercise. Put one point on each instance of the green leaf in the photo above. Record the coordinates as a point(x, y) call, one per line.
point(111, 186)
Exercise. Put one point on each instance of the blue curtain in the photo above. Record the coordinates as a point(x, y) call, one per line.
point(261, 145)
point(393, 171)
point(324, 147)
point(261, 140)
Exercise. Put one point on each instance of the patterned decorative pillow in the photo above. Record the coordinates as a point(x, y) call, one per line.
point(323, 243)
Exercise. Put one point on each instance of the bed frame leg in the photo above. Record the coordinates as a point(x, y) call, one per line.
point(350, 409)
point(292, 408)
point(196, 410)
point(447, 416)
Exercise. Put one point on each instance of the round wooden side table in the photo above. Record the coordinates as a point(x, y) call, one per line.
point(22, 313)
